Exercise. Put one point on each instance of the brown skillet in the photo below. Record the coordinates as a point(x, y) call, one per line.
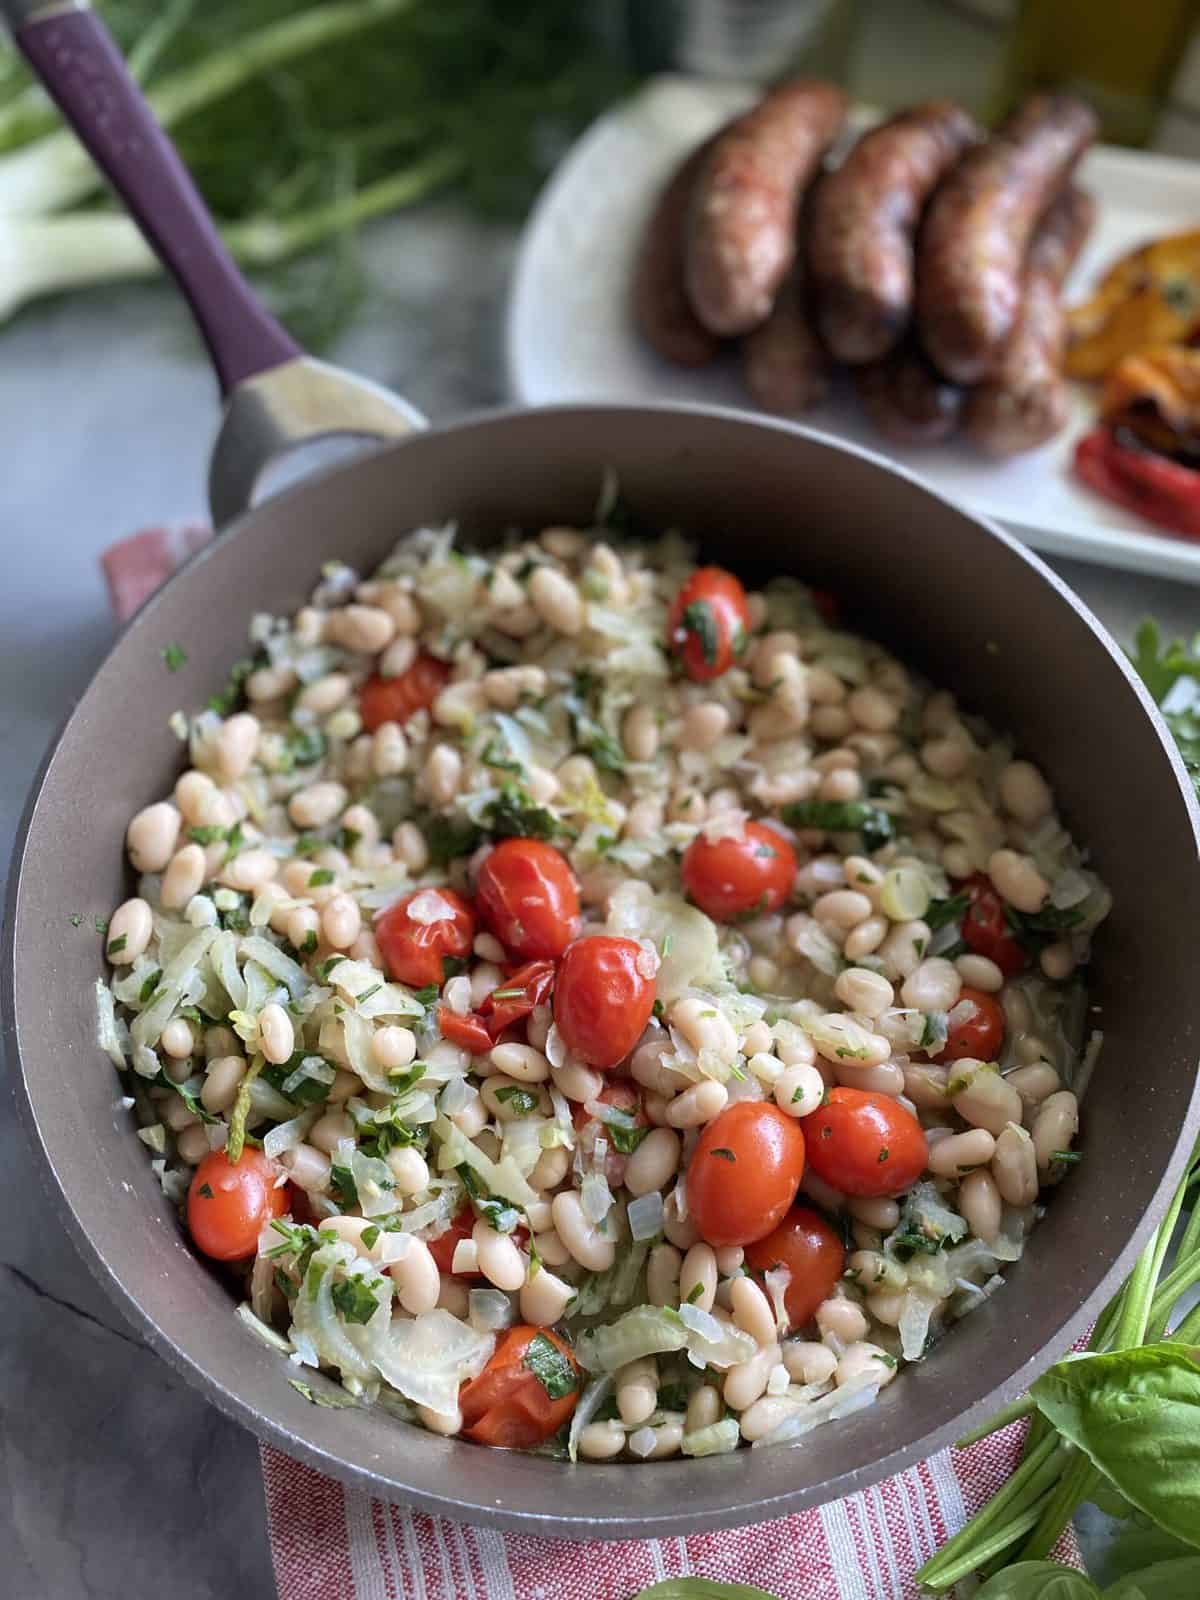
point(950, 593)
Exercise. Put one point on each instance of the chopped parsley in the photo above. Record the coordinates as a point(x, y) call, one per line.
point(205, 1190)
point(698, 620)
point(498, 1214)
point(695, 1293)
point(326, 967)
point(76, 919)
point(935, 1032)
point(303, 747)
point(499, 759)
point(333, 1399)
point(884, 1155)
point(876, 825)
point(361, 999)
point(115, 946)
point(1034, 930)
point(150, 986)
point(320, 878)
point(206, 835)
point(342, 1180)
point(447, 839)
point(369, 1235)
point(625, 1140)
point(521, 1102)
point(725, 1154)
point(308, 1092)
point(943, 912)
point(551, 1367)
point(227, 698)
point(1066, 1158)
point(174, 656)
point(355, 1300)
point(514, 814)
point(101, 924)
point(1163, 667)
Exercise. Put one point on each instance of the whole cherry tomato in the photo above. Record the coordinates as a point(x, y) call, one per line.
point(980, 1035)
point(513, 1000)
point(708, 623)
point(413, 950)
point(734, 877)
point(864, 1143)
point(396, 699)
point(811, 1251)
point(525, 1394)
point(603, 998)
point(527, 897)
point(229, 1206)
point(443, 1247)
point(744, 1173)
point(985, 928)
point(468, 1033)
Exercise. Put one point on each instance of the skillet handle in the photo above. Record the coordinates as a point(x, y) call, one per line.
point(278, 398)
point(73, 54)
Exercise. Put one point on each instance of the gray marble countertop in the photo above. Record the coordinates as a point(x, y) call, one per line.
point(116, 1480)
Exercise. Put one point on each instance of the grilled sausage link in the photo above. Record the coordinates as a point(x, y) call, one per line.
point(907, 399)
point(864, 219)
point(784, 364)
point(661, 309)
point(1027, 402)
point(742, 228)
point(973, 241)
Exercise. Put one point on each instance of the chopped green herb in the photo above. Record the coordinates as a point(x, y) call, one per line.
point(495, 756)
point(101, 924)
point(935, 1032)
point(497, 1214)
point(206, 835)
point(698, 619)
point(725, 1154)
point(355, 1300)
point(308, 1091)
point(284, 1284)
point(551, 1367)
point(668, 941)
point(117, 945)
point(345, 839)
point(333, 1400)
point(658, 1009)
point(369, 1236)
point(205, 1190)
point(360, 999)
point(1161, 667)
point(625, 1140)
point(342, 1180)
point(226, 699)
point(514, 814)
point(326, 967)
point(303, 747)
point(943, 912)
point(447, 840)
point(150, 985)
point(310, 942)
point(76, 919)
point(695, 1293)
point(1066, 1157)
point(876, 825)
point(175, 657)
point(884, 1155)
point(320, 878)
point(521, 1102)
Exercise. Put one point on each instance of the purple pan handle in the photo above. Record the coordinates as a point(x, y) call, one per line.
point(73, 54)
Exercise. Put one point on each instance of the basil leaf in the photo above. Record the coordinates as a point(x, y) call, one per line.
point(550, 1367)
point(1039, 1580)
point(355, 1300)
point(940, 913)
point(1141, 1547)
point(1136, 1415)
point(698, 619)
point(1166, 1580)
point(843, 816)
point(343, 1181)
point(702, 1589)
point(626, 1140)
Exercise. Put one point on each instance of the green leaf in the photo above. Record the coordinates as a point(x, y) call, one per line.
point(550, 1367)
point(1142, 1547)
point(334, 1399)
point(241, 1110)
point(514, 814)
point(698, 619)
point(626, 1140)
point(1136, 1415)
point(843, 816)
point(448, 839)
point(1161, 667)
point(304, 746)
point(174, 656)
point(942, 912)
point(355, 1299)
point(343, 1181)
point(1166, 1580)
point(702, 1589)
point(1039, 1580)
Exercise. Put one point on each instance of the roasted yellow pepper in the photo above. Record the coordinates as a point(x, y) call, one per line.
point(1150, 297)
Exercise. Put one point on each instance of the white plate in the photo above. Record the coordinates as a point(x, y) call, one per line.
point(570, 336)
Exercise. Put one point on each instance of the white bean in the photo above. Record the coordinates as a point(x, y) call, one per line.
point(1024, 793)
point(866, 938)
point(1014, 1167)
point(544, 1298)
point(799, 1090)
point(1057, 961)
point(443, 774)
point(327, 1130)
point(663, 1270)
point(1034, 1084)
point(556, 600)
point(129, 931)
point(1017, 880)
point(220, 1086)
point(364, 629)
point(875, 1212)
point(1054, 1130)
point(654, 1161)
point(409, 847)
point(409, 1170)
point(704, 1027)
point(178, 1041)
point(599, 1441)
point(866, 992)
point(236, 745)
point(184, 877)
point(393, 1047)
point(884, 1077)
point(697, 1105)
point(703, 1408)
point(269, 683)
point(277, 1037)
point(978, 972)
point(250, 870)
point(981, 1203)
point(951, 1157)
point(341, 922)
point(698, 1277)
point(902, 950)
point(934, 985)
point(550, 1169)
point(151, 836)
point(191, 1144)
point(862, 1359)
point(982, 1097)
point(842, 908)
point(636, 1386)
point(666, 1440)
point(646, 1067)
point(587, 1244)
point(639, 732)
point(873, 710)
point(316, 805)
point(808, 1362)
point(747, 1380)
point(418, 1282)
point(499, 1259)
point(703, 725)
point(764, 1416)
point(524, 1063)
point(752, 1310)
point(869, 1269)
point(324, 694)
point(841, 1318)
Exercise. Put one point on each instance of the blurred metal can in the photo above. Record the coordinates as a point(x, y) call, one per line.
point(746, 39)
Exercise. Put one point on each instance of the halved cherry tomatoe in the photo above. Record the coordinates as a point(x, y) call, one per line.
point(229, 1204)
point(396, 699)
point(979, 1031)
point(744, 1173)
point(708, 623)
point(527, 896)
point(738, 875)
point(418, 933)
point(521, 992)
point(813, 1254)
point(865, 1144)
point(467, 1032)
point(985, 928)
point(525, 1394)
point(603, 998)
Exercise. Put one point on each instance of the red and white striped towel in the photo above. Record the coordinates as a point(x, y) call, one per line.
point(333, 1543)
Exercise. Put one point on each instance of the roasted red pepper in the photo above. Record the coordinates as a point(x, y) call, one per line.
point(1162, 490)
